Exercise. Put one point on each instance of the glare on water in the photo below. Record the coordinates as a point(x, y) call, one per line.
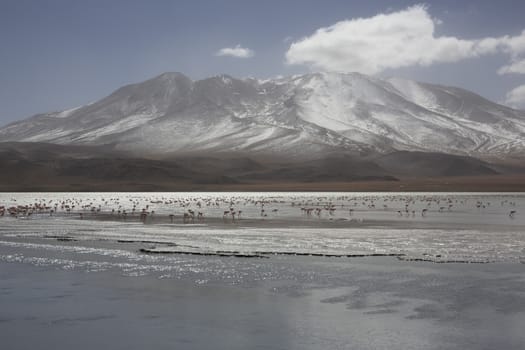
point(441, 227)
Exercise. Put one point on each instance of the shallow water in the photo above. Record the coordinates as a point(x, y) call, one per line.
point(87, 281)
point(440, 227)
point(282, 303)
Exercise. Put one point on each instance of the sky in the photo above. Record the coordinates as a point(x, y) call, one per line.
point(59, 54)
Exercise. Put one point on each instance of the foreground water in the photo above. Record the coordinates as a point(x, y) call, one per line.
point(89, 270)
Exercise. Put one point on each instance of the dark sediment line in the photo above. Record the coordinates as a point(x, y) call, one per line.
point(146, 241)
point(260, 254)
point(219, 253)
point(267, 254)
point(328, 255)
point(61, 238)
point(437, 261)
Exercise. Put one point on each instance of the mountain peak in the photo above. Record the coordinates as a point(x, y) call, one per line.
point(308, 115)
point(167, 76)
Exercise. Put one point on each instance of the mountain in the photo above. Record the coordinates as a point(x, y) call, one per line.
point(304, 117)
point(35, 166)
point(418, 164)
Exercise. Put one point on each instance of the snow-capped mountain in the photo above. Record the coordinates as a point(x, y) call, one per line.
point(305, 116)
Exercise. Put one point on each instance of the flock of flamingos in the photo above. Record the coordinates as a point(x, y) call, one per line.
point(191, 209)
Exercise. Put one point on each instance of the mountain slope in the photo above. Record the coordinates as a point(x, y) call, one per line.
point(302, 117)
point(418, 164)
point(44, 167)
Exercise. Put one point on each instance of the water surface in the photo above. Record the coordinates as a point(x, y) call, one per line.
point(85, 275)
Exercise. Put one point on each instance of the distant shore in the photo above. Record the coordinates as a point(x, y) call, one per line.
point(492, 183)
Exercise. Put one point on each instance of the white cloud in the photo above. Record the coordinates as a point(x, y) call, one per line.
point(516, 97)
point(515, 45)
point(394, 40)
point(237, 51)
point(517, 66)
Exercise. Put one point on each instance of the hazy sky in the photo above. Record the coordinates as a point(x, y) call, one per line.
point(57, 54)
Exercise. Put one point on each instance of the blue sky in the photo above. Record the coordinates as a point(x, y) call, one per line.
point(57, 54)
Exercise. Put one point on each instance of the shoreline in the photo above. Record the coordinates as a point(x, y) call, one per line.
point(493, 183)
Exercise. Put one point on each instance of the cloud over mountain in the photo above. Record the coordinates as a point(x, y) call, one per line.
point(516, 67)
point(516, 97)
point(394, 40)
point(237, 51)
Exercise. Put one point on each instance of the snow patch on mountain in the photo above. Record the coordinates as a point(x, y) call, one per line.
point(301, 116)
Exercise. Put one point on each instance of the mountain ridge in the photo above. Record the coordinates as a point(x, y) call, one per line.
point(303, 116)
